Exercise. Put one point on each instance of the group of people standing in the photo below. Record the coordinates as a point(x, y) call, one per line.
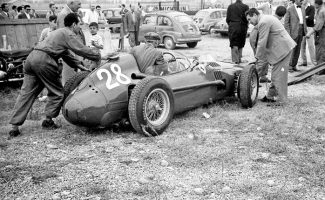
point(20, 12)
point(276, 42)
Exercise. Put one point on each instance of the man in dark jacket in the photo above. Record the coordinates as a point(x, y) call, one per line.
point(41, 70)
point(133, 20)
point(26, 13)
point(237, 31)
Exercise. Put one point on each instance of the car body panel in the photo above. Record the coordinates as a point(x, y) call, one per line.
point(179, 26)
point(208, 18)
point(102, 97)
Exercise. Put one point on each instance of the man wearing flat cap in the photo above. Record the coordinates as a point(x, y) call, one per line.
point(150, 60)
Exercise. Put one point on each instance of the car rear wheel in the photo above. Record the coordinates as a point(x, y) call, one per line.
point(248, 86)
point(191, 44)
point(73, 82)
point(151, 106)
point(169, 43)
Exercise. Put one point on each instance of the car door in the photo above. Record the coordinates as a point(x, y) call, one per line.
point(164, 26)
point(148, 25)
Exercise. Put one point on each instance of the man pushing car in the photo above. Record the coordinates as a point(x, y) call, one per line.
point(42, 70)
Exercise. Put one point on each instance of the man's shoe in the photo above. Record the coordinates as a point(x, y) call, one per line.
point(303, 64)
point(267, 100)
point(14, 133)
point(49, 124)
point(264, 79)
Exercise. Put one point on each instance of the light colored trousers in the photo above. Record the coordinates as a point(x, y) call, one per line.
point(311, 48)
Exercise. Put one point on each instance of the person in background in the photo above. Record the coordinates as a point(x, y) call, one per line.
point(96, 43)
point(20, 10)
point(319, 31)
point(52, 11)
point(150, 60)
point(310, 13)
point(276, 45)
point(101, 17)
point(26, 13)
point(91, 15)
point(34, 14)
point(41, 70)
point(13, 13)
point(52, 26)
point(4, 13)
point(237, 31)
point(266, 7)
point(295, 24)
point(133, 20)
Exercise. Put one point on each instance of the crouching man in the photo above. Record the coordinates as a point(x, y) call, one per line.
point(150, 60)
point(41, 70)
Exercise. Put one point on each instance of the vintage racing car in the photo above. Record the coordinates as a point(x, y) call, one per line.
point(117, 91)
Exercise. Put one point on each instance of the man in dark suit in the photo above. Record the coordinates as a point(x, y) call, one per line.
point(276, 45)
point(26, 14)
point(4, 13)
point(310, 13)
point(133, 19)
point(237, 31)
point(295, 24)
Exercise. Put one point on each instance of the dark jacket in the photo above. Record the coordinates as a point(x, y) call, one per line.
point(24, 16)
point(133, 25)
point(310, 15)
point(236, 13)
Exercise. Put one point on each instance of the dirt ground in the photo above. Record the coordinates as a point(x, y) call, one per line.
point(259, 153)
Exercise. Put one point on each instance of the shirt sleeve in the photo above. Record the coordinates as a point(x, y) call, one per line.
point(80, 49)
point(100, 41)
point(320, 21)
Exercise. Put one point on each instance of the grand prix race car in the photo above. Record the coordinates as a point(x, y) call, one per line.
point(117, 91)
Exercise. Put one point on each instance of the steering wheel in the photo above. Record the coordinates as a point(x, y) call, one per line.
point(172, 55)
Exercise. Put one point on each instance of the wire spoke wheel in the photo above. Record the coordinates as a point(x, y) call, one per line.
point(157, 107)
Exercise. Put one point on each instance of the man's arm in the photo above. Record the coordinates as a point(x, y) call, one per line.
point(263, 35)
point(228, 15)
point(287, 21)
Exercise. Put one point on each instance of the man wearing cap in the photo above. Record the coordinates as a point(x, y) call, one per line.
point(150, 60)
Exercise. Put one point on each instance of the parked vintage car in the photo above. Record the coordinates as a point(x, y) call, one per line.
point(11, 64)
point(113, 15)
point(206, 19)
point(117, 92)
point(173, 28)
point(222, 28)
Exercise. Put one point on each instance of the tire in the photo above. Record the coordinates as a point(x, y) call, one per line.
point(143, 99)
point(210, 30)
point(169, 43)
point(248, 86)
point(73, 82)
point(191, 44)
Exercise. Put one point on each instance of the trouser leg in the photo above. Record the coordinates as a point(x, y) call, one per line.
point(235, 54)
point(31, 88)
point(279, 78)
point(51, 79)
point(132, 39)
point(311, 47)
point(240, 54)
point(303, 50)
point(296, 50)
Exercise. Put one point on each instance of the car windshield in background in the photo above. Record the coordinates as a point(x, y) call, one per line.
point(183, 18)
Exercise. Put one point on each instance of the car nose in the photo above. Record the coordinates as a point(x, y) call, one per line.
point(71, 109)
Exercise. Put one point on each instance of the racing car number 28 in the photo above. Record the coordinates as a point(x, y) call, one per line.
point(120, 77)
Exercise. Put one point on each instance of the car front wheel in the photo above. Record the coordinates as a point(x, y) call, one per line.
point(169, 43)
point(73, 82)
point(248, 86)
point(151, 106)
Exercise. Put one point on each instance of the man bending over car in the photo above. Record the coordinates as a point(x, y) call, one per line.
point(42, 70)
point(150, 60)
